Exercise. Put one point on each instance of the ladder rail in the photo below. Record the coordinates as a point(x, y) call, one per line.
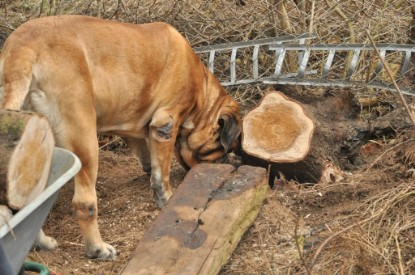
point(347, 80)
point(251, 43)
point(234, 47)
point(320, 77)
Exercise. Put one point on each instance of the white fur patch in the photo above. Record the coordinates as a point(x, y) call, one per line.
point(46, 106)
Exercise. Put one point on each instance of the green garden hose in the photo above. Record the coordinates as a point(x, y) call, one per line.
point(36, 267)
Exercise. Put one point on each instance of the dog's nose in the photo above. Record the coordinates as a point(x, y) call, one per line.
point(224, 159)
point(232, 159)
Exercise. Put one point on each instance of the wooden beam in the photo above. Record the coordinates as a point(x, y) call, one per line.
point(203, 222)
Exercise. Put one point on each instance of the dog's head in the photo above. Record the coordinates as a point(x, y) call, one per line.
point(215, 134)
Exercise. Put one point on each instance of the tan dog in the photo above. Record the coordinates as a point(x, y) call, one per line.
point(141, 82)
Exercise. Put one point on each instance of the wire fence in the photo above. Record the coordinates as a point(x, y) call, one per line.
point(208, 23)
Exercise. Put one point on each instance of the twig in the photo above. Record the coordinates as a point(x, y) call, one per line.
point(120, 4)
point(326, 241)
point(300, 249)
point(352, 36)
point(108, 143)
point(41, 8)
point(310, 30)
point(73, 244)
point(398, 197)
point(346, 19)
point(410, 114)
point(6, 27)
point(399, 256)
point(386, 151)
point(283, 16)
point(99, 6)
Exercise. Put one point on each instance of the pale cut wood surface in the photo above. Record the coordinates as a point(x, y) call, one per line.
point(277, 130)
point(26, 148)
point(203, 222)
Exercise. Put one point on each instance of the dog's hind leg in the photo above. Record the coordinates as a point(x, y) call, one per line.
point(44, 242)
point(16, 75)
point(140, 149)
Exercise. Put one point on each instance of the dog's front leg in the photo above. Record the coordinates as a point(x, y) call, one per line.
point(162, 136)
point(85, 197)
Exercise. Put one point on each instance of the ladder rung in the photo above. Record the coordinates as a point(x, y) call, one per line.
point(328, 63)
point(280, 61)
point(303, 63)
point(255, 62)
point(353, 64)
point(211, 60)
point(405, 63)
point(379, 66)
point(233, 65)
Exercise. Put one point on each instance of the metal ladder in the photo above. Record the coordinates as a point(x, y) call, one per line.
point(255, 44)
point(323, 75)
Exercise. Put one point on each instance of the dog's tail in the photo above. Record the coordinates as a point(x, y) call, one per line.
point(16, 68)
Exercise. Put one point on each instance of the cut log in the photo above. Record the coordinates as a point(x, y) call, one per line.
point(26, 147)
point(203, 221)
point(278, 132)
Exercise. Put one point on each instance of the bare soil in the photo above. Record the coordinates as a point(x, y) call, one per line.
point(294, 221)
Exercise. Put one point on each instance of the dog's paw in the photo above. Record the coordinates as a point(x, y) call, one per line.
point(161, 198)
point(146, 169)
point(101, 252)
point(44, 242)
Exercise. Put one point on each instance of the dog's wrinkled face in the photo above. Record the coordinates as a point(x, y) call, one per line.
point(211, 139)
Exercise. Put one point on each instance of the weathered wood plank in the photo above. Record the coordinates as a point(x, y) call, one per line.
point(203, 222)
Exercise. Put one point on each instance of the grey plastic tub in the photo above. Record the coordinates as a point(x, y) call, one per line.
point(27, 223)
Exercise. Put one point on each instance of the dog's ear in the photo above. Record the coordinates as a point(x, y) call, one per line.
point(230, 130)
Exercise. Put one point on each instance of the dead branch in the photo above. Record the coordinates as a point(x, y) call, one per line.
point(401, 270)
point(352, 36)
point(6, 27)
point(408, 110)
point(385, 152)
point(346, 19)
point(310, 28)
point(283, 16)
point(302, 7)
point(393, 201)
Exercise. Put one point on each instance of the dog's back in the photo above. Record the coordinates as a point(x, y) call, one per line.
point(49, 54)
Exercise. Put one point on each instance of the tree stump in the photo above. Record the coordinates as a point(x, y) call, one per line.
point(277, 133)
point(26, 148)
point(202, 222)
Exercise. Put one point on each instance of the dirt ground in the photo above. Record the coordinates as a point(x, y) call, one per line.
point(291, 232)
